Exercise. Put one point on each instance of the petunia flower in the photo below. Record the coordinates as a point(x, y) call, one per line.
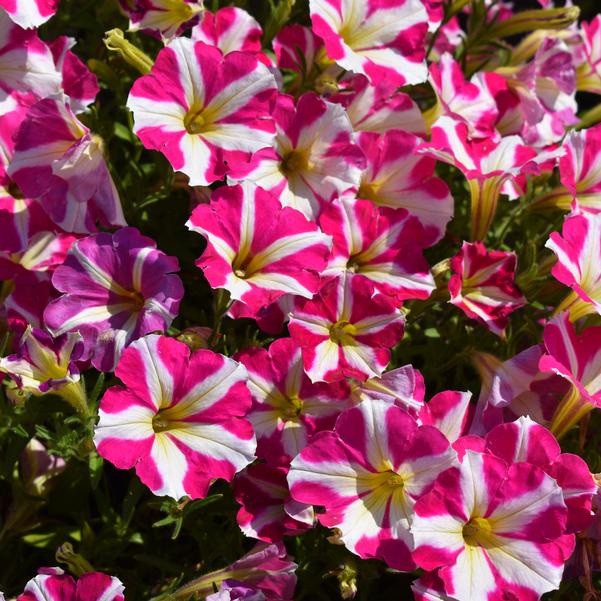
point(464, 100)
point(116, 288)
point(367, 474)
point(449, 412)
point(483, 285)
point(60, 162)
point(29, 13)
point(378, 107)
point(380, 244)
point(44, 364)
point(267, 511)
point(346, 331)
point(525, 440)
point(257, 249)
point(287, 407)
point(314, 158)
point(578, 251)
point(229, 29)
point(398, 177)
point(164, 17)
point(202, 110)
point(298, 49)
point(380, 40)
point(588, 74)
point(178, 419)
point(486, 164)
point(26, 62)
point(577, 359)
point(493, 528)
point(52, 584)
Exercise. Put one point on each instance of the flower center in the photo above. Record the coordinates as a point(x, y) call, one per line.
point(477, 533)
point(294, 162)
point(160, 423)
point(136, 299)
point(395, 481)
point(368, 191)
point(342, 332)
point(292, 407)
point(353, 264)
point(194, 121)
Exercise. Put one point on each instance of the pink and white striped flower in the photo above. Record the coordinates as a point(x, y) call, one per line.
point(399, 178)
point(268, 512)
point(577, 359)
point(293, 42)
point(380, 244)
point(43, 364)
point(165, 17)
point(178, 419)
point(257, 249)
point(380, 40)
point(52, 584)
point(492, 528)
point(116, 288)
point(487, 165)
point(367, 474)
point(464, 100)
point(229, 29)
point(202, 110)
point(314, 158)
point(525, 440)
point(287, 407)
point(60, 162)
point(346, 331)
point(448, 411)
point(483, 285)
point(578, 251)
point(29, 13)
point(26, 63)
point(378, 108)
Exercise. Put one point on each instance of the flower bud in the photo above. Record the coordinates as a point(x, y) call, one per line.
point(132, 55)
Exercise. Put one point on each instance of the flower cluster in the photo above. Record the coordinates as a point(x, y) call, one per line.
point(250, 247)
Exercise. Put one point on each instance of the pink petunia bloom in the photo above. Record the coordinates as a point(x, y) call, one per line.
point(378, 108)
point(493, 528)
point(29, 13)
point(287, 407)
point(314, 158)
point(578, 251)
point(257, 249)
point(464, 100)
point(486, 164)
point(202, 110)
point(60, 162)
point(268, 512)
point(483, 285)
point(164, 17)
point(525, 440)
point(79, 83)
point(52, 584)
point(297, 48)
point(380, 244)
point(580, 174)
point(179, 418)
point(229, 29)
point(399, 178)
point(116, 288)
point(449, 412)
point(43, 364)
point(577, 359)
point(383, 40)
point(25, 309)
point(346, 331)
point(26, 63)
point(367, 474)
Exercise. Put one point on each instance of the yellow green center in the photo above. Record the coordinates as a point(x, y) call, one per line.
point(294, 161)
point(478, 532)
point(368, 191)
point(292, 407)
point(194, 121)
point(342, 332)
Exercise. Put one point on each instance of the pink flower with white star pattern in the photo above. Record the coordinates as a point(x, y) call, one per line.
point(483, 285)
point(346, 331)
point(367, 474)
point(178, 419)
point(257, 249)
point(383, 40)
point(203, 110)
point(167, 18)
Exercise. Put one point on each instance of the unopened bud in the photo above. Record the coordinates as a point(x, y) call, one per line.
point(132, 55)
point(75, 563)
point(533, 20)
